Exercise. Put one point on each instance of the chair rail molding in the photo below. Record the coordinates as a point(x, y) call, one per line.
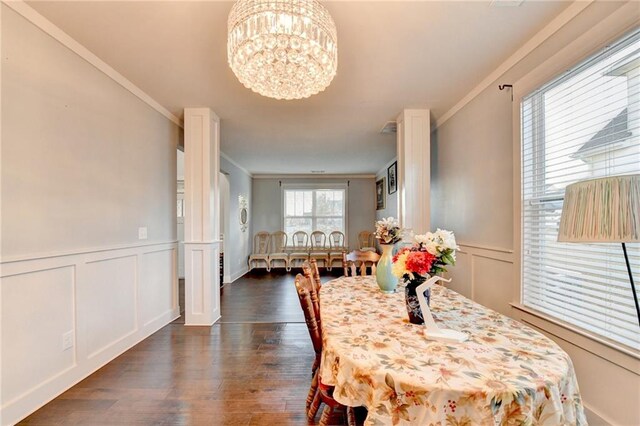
point(484, 274)
point(84, 309)
point(202, 212)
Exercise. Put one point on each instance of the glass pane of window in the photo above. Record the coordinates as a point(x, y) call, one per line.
point(311, 210)
point(292, 225)
point(582, 125)
point(329, 224)
point(289, 203)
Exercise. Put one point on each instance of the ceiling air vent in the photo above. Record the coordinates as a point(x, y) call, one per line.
point(390, 127)
point(506, 3)
point(317, 172)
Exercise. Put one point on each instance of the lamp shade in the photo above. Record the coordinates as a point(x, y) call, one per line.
point(602, 210)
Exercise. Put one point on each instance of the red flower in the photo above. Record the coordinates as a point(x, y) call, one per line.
point(420, 262)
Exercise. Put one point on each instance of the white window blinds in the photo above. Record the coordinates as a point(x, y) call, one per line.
point(314, 210)
point(583, 124)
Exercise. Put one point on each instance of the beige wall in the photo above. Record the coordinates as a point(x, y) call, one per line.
point(473, 192)
point(266, 214)
point(238, 242)
point(475, 156)
point(84, 164)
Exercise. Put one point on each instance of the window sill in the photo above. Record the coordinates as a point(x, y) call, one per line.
point(618, 354)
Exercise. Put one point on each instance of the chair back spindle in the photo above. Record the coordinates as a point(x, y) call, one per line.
point(304, 287)
point(357, 257)
point(336, 241)
point(308, 271)
point(261, 242)
point(278, 242)
point(300, 240)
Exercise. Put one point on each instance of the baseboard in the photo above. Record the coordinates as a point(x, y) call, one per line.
point(28, 403)
point(77, 292)
point(234, 276)
point(593, 418)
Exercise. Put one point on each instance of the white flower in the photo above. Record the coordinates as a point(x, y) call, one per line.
point(424, 238)
point(447, 239)
point(433, 247)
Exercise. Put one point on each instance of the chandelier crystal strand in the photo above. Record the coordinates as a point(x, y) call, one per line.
point(282, 49)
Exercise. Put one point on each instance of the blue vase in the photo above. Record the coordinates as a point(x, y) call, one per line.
point(384, 275)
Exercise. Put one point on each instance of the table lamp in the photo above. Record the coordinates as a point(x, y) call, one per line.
point(605, 210)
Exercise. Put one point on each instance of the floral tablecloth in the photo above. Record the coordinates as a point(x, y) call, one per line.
point(505, 374)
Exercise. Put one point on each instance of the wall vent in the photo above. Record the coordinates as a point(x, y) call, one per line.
point(317, 172)
point(506, 3)
point(390, 127)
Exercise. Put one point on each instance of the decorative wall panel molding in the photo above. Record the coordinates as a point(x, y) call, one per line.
point(66, 315)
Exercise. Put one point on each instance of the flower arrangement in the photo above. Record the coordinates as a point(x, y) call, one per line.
point(429, 255)
point(388, 231)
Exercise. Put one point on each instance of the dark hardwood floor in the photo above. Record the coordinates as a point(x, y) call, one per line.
point(251, 368)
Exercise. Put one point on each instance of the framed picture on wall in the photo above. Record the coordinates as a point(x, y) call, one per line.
point(380, 198)
point(392, 173)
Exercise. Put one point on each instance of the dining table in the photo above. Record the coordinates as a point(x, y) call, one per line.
point(506, 373)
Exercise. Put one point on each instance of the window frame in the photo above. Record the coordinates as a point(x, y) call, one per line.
point(314, 187)
point(555, 67)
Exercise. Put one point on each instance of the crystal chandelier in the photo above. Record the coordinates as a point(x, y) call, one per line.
point(282, 49)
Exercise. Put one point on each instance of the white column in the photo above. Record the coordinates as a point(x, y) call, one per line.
point(414, 169)
point(202, 212)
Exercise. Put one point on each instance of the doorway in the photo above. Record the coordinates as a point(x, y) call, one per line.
point(224, 229)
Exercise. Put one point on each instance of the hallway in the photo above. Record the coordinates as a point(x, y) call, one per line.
point(251, 368)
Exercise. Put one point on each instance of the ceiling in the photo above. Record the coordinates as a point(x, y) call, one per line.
point(392, 55)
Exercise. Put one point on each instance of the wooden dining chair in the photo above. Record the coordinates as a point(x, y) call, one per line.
point(366, 241)
point(311, 272)
point(350, 262)
point(318, 249)
point(278, 249)
point(299, 247)
point(318, 392)
point(337, 248)
point(260, 249)
point(315, 274)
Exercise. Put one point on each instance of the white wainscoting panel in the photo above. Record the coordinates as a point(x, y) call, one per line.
point(493, 283)
point(461, 274)
point(156, 267)
point(107, 303)
point(106, 300)
point(37, 309)
point(202, 283)
point(485, 275)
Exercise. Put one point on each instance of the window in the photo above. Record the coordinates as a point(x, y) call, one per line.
point(309, 210)
point(583, 124)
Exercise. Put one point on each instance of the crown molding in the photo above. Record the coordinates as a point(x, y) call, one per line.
point(232, 161)
point(573, 10)
point(31, 15)
point(313, 176)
